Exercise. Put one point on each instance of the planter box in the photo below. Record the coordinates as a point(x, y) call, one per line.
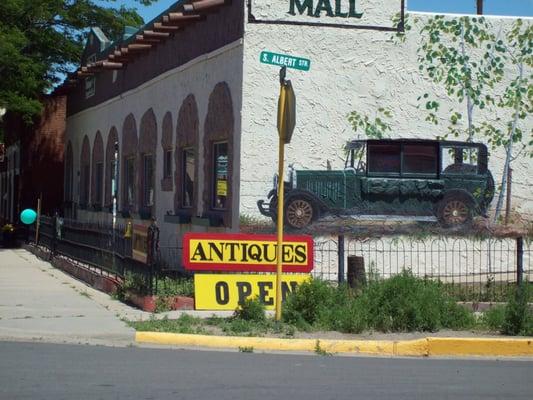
point(148, 303)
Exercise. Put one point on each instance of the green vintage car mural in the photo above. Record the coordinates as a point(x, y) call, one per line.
point(411, 177)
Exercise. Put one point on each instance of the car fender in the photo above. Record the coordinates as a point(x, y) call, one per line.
point(461, 193)
point(307, 195)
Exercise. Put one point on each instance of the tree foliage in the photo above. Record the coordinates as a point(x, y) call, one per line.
point(465, 57)
point(40, 40)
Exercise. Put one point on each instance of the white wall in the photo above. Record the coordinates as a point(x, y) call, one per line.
point(163, 94)
point(351, 69)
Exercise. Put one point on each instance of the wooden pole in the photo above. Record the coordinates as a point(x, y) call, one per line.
point(480, 7)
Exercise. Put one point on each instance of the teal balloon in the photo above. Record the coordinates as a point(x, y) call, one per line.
point(28, 216)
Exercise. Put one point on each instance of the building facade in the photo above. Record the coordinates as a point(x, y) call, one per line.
point(192, 110)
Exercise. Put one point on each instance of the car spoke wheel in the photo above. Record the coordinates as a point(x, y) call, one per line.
point(455, 212)
point(299, 213)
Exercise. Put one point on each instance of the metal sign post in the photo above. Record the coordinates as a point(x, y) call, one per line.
point(286, 123)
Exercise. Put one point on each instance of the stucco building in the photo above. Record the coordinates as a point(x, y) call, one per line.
point(193, 109)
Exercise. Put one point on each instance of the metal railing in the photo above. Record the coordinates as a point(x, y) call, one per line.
point(470, 268)
point(473, 269)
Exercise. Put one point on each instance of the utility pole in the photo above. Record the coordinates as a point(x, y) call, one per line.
point(479, 7)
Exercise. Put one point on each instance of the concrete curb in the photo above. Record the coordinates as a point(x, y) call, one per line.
point(429, 346)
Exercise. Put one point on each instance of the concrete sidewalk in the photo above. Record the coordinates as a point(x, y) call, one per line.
point(39, 302)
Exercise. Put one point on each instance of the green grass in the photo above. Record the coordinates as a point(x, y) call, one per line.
point(184, 324)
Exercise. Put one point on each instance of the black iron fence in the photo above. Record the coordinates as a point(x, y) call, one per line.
point(98, 247)
point(471, 268)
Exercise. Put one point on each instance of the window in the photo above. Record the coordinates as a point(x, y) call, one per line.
point(220, 189)
point(189, 171)
point(459, 160)
point(68, 183)
point(384, 158)
point(85, 185)
point(99, 180)
point(148, 180)
point(90, 82)
point(129, 183)
point(419, 159)
point(114, 179)
point(167, 166)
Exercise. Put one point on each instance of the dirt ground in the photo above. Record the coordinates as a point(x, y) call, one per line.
point(382, 226)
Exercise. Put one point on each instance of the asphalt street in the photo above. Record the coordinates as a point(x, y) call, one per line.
point(53, 371)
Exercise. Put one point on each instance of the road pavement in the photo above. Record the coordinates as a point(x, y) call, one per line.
point(39, 302)
point(51, 371)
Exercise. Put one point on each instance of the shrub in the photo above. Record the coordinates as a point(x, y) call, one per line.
point(167, 287)
point(305, 306)
point(401, 303)
point(407, 303)
point(518, 319)
point(494, 318)
point(251, 310)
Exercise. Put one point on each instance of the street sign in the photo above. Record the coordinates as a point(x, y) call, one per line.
point(282, 60)
point(286, 112)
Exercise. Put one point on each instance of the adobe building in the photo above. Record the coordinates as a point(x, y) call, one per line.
point(193, 109)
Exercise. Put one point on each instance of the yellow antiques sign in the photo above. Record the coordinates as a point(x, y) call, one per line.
point(245, 253)
point(225, 292)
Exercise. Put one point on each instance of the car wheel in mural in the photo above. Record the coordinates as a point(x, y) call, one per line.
point(410, 177)
point(299, 212)
point(455, 210)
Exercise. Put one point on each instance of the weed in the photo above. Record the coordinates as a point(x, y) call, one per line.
point(493, 319)
point(168, 287)
point(320, 351)
point(246, 349)
point(402, 303)
point(518, 317)
point(162, 304)
point(85, 294)
point(251, 310)
point(184, 324)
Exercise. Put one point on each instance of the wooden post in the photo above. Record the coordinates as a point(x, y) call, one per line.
point(356, 272)
point(340, 256)
point(38, 223)
point(480, 7)
point(508, 200)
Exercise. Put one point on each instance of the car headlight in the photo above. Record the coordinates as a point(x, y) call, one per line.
point(292, 176)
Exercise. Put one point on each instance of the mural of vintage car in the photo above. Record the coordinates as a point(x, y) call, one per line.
point(411, 177)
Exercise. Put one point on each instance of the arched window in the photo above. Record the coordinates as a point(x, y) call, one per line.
point(218, 155)
point(85, 172)
point(69, 173)
point(187, 154)
point(168, 153)
point(110, 164)
point(147, 163)
point(97, 177)
point(129, 162)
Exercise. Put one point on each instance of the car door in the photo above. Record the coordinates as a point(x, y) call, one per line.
point(421, 186)
point(380, 189)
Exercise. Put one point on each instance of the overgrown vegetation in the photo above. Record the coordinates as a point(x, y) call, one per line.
point(403, 303)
